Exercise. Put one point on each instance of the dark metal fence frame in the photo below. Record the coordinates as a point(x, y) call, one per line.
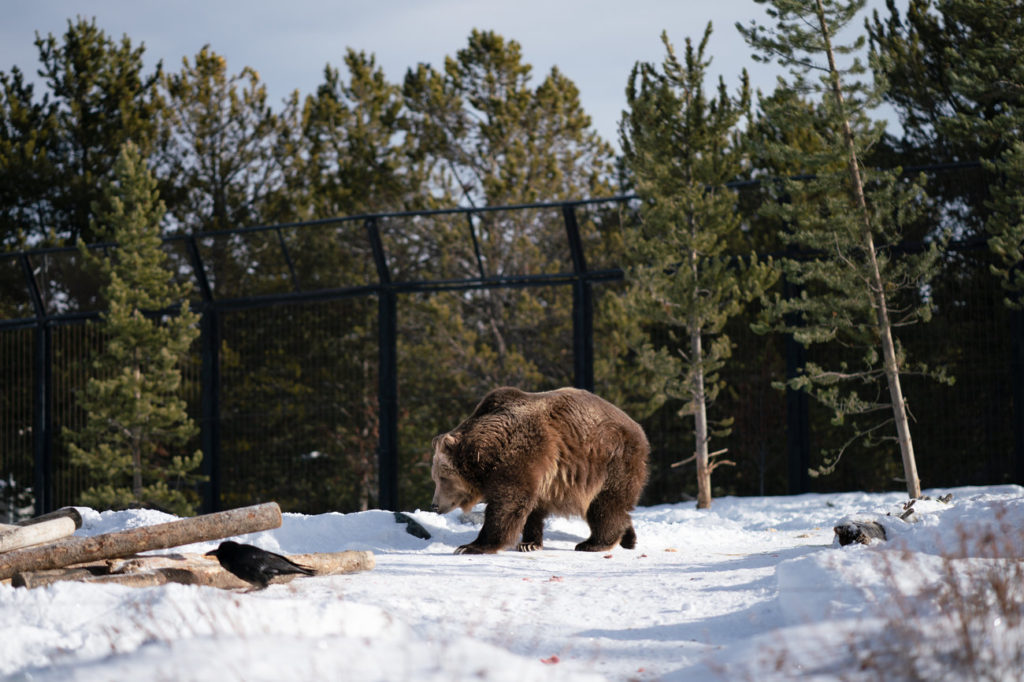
point(210, 307)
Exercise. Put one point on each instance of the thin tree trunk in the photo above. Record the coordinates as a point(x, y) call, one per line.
point(700, 419)
point(136, 438)
point(892, 373)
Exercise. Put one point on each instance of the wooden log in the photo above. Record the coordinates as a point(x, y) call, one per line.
point(336, 563)
point(36, 534)
point(140, 579)
point(187, 569)
point(127, 542)
point(63, 512)
point(44, 578)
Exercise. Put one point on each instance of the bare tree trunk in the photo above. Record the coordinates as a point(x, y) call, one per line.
point(892, 373)
point(136, 437)
point(700, 419)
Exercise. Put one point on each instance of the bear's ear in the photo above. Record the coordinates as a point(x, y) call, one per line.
point(444, 442)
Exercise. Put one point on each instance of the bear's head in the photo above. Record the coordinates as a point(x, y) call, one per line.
point(451, 489)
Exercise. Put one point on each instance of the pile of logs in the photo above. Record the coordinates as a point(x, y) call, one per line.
point(42, 551)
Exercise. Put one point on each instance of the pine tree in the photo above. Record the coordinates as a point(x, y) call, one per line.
point(28, 130)
point(218, 163)
point(846, 220)
point(682, 147)
point(136, 422)
point(354, 154)
point(1006, 224)
point(491, 138)
point(973, 112)
point(100, 99)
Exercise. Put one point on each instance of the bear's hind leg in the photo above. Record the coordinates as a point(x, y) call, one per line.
point(609, 524)
point(628, 540)
point(533, 531)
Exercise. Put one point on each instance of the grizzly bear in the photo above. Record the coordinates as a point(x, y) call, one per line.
point(528, 455)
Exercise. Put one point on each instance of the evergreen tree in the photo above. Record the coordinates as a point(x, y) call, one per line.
point(100, 99)
point(846, 220)
point(956, 69)
point(28, 129)
point(489, 137)
point(219, 160)
point(496, 140)
point(135, 419)
point(1006, 224)
point(351, 151)
point(682, 147)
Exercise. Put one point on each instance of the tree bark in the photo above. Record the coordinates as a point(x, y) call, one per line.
point(892, 373)
point(700, 420)
point(127, 542)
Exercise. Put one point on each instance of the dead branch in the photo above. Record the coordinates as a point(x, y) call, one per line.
point(694, 456)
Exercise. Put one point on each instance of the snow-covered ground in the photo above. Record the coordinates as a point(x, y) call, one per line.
point(754, 589)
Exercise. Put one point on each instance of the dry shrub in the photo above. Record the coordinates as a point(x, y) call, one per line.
point(955, 616)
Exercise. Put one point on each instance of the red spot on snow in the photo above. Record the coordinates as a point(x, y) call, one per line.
point(549, 661)
point(555, 579)
point(608, 556)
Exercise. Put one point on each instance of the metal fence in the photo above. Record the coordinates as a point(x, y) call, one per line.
point(331, 351)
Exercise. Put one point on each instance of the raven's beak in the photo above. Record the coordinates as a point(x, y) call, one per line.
point(212, 552)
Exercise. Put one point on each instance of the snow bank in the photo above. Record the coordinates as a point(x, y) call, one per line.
point(755, 588)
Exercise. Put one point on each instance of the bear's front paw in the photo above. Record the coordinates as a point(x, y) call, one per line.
point(529, 546)
point(468, 549)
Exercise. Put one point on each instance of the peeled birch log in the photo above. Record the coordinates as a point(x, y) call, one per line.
point(36, 534)
point(63, 512)
point(188, 569)
point(336, 563)
point(127, 542)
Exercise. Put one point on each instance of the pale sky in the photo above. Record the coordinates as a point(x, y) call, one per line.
point(593, 42)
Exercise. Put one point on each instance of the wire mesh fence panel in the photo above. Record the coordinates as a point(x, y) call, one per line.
point(17, 459)
point(298, 413)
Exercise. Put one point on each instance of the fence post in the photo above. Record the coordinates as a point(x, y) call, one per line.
point(387, 376)
point(798, 432)
point(582, 306)
point(1017, 378)
point(42, 390)
point(209, 380)
point(42, 419)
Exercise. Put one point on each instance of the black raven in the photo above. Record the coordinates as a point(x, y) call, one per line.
point(254, 565)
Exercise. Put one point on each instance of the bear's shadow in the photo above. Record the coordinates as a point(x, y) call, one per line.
point(464, 537)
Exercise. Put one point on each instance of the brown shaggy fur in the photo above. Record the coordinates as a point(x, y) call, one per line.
point(528, 455)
